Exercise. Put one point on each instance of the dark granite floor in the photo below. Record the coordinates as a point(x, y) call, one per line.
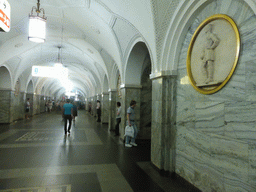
point(36, 156)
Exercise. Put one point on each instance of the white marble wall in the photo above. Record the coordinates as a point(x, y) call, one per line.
point(146, 105)
point(163, 123)
point(36, 105)
point(216, 133)
point(17, 109)
point(42, 104)
point(104, 107)
point(112, 109)
point(5, 103)
point(91, 99)
point(12, 106)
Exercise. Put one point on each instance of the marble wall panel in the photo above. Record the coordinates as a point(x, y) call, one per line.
point(217, 150)
point(36, 104)
point(242, 131)
point(232, 157)
point(240, 120)
point(146, 104)
point(42, 104)
point(240, 111)
point(157, 124)
point(252, 165)
point(156, 145)
point(105, 108)
point(192, 155)
point(208, 178)
point(210, 117)
point(186, 112)
point(185, 166)
point(17, 109)
point(163, 123)
point(5, 103)
point(112, 110)
point(125, 104)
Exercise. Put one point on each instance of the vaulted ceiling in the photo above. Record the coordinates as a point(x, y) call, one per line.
point(94, 36)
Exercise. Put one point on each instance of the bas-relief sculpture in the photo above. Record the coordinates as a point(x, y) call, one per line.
point(208, 57)
point(213, 53)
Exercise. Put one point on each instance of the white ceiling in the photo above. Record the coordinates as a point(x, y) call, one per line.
point(93, 34)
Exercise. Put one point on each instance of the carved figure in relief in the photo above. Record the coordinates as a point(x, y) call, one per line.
point(212, 41)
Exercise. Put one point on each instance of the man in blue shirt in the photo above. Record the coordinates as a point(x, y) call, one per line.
point(67, 114)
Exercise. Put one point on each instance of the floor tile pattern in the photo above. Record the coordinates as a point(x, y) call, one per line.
point(36, 156)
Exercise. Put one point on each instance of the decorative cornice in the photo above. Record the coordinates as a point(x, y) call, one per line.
point(163, 74)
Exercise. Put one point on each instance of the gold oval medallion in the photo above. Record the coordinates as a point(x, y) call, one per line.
point(213, 54)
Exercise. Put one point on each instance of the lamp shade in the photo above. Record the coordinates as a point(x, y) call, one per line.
point(37, 26)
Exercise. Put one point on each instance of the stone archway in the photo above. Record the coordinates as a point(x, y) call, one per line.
point(136, 80)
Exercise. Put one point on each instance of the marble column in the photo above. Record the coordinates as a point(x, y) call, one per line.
point(112, 109)
point(36, 105)
point(86, 104)
point(42, 104)
point(5, 102)
point(31, 100)
point(163, 122)
point(130, 92)
point(92, 105)
point(104, 107)
point(17, 108)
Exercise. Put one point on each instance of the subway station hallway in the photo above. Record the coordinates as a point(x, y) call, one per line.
point(36, 156)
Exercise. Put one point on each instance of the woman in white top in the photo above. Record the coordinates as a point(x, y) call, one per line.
point(130, 141)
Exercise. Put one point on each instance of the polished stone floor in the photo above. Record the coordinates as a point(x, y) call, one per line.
point(36, 156)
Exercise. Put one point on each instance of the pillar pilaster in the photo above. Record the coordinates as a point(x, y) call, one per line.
point(104, 107)
point(112, 109)
point(163, 122)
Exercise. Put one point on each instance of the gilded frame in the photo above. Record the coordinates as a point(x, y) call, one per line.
point(216, 88)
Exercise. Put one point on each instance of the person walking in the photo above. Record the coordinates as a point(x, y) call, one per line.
point(130, 141)
point(118, 118)
point(67, 114)
point(98, 111)
point(49, 106)
point(74, 111)
point(27, 108)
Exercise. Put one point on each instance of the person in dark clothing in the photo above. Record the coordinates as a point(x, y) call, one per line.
point(74, 111)
point(67, 114)
point(98, 111)
point(118, 118)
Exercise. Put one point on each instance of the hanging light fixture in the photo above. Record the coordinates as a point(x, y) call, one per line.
point(37, 24)
point(59, 62)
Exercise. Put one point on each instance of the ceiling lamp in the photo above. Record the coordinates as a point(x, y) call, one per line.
point(59, 62)
point(37, 25)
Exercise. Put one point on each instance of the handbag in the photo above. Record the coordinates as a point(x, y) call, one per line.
point(129, 131)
